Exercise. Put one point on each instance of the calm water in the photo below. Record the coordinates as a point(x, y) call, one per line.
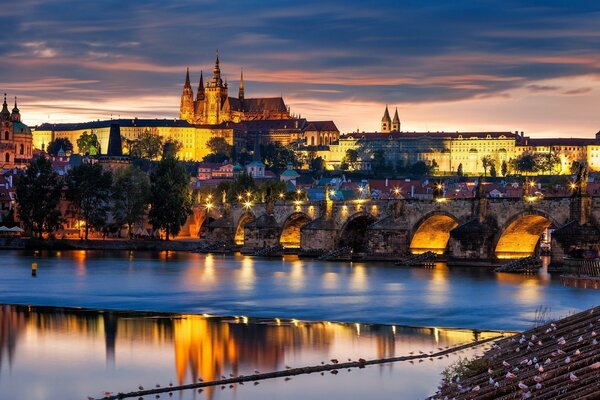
point(301, 289)
point(68, 354)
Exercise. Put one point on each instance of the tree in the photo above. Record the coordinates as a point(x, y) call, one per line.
point(487, 162)
point(131, 192)
point(420, 168)
point(170, 197)
point(242, 184)
point(38, 193)
point(276, 157)
point(171, 147)
point(218, 145)
point(504, 168)
point(434, 166)
point(493, 170)
point(459, 170)
point(89, 190)
point(351, 158)
point(58, 143)
point(525, 163)
point(317, 166)
point(378, 162)
point(548, 163)
point(88, 143)
point(272, 189)
point(148, 145)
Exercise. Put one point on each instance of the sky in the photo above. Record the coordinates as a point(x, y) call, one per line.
point(504, 65)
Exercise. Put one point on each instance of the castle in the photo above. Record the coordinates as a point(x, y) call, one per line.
point(213, 105)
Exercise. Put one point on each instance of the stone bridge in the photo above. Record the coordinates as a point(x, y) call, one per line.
point(462, 229)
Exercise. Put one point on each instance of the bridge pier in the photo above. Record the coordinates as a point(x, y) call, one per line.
point(472, 240)
point(318, 236)
point(263, 232)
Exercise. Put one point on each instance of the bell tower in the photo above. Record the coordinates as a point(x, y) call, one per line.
point(186, 110)
point(216, 93)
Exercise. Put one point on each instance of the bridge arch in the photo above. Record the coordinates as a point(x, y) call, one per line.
point(208, 219)
point(238, 237)
point(290, 231)
point(432, 232)
point(354, 231)
point(521, 234)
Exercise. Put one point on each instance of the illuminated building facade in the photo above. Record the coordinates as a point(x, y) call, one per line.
point(16, 148)
point(213, 105)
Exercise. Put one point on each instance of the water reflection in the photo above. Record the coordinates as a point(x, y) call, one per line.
point(136, 346)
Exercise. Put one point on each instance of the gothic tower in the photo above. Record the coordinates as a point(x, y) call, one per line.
point(200, 99)
point(186, 110)
point(386, 121)
point(216, 93)
point(396, 122)
point(241, 92)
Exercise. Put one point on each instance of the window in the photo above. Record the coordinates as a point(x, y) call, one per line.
point(6, 135)
point(7, 157)
point(21, 149)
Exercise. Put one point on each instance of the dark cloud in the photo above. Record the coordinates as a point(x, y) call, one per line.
point(380, 51)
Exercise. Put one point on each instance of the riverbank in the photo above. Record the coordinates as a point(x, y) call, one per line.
point(109, 244)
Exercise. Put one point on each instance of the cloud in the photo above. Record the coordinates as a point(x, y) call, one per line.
point(578, 91)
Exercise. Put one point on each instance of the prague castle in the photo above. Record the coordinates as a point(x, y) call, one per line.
point(213, 105)
point(16, 147)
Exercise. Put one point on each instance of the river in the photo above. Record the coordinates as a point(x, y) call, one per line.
point(359, 310)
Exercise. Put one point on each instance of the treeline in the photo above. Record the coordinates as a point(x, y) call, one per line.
point(102, 200)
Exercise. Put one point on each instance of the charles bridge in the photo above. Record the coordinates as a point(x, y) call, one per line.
point(469, 229)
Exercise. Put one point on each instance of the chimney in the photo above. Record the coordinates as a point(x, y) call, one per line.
point(386, 182)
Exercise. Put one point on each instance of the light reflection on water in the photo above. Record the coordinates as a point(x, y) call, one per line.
point(48, 353)
point(374, 292)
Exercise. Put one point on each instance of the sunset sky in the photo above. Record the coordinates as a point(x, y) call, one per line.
point(530, 66)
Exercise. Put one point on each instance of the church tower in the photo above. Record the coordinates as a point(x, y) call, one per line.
point(386, 121)
point(216, 94)
point(396, 122)
point(186, 110)
point(241, 92)
point(199, 103)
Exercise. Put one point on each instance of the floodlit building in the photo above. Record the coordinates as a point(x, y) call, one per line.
point(16, 149)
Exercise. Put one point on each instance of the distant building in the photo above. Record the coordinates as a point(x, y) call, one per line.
point(16, 148)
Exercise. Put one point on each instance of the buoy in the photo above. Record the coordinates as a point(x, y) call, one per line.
point(33, 269)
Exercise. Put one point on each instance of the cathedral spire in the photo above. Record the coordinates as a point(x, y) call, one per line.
point(16, 115)
point(200, 94)
point(386, 121)
point(216, 79)
point(396, 122)
point(187, 78)
point(241, 92)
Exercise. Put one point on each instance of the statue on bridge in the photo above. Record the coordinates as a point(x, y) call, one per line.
point(581, 181)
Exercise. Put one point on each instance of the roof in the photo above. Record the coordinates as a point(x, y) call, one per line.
point(272, 125)
point(289, 172)
point(265, 104)
point(19, 127)
point(436, 135)
point(560, 142)
point(135, 122)
point(321, 126)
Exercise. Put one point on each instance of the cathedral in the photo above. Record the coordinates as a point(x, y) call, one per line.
point(15, 138)
point(213, 105)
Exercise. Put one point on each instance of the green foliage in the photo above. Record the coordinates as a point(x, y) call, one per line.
point(459, 171)
point(88, 144)
point(242, 184)
point(271, 190)
point(525, 163)
point(38, 194)
point(276, 156)
point(220, 150)
point(420, 168)
point(58, 143)
point(317, 166)
point(171, 147)
point(148, 145)
point(434, 167)
point(131, 193)
point(547, 163)
point(504, 168)
point(350, 160)
point(487, 162)
point(89, 190)
point(170, 198)
point(493, 170)
point(575, 165)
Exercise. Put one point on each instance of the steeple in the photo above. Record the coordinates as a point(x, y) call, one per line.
point(241, 93)
point(396, 122)
point(5, 114)
point(216, 79)
point(187, 79)
point(200, 93)
point(16, 115)
point(186, 109)
point(386, 121)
